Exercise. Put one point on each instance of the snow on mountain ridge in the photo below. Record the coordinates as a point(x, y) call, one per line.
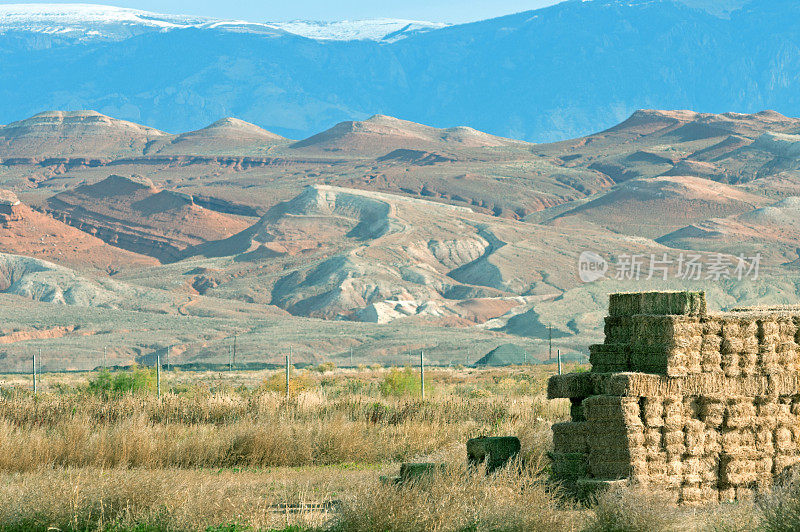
point(382, 29)
point(87, 22)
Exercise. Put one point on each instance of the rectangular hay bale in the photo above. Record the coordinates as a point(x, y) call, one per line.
point(657, 303)
point(571, 437)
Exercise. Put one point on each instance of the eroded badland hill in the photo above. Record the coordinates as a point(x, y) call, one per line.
point(376, 237)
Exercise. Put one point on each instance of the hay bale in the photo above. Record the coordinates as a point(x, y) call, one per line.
point(412, 471)
point(657, 303)
point(669, 331)
point(570, 385)
point(730, 363)
point(609, 358)
point(712, 441)
point(494, 451)
point(618, 329)
point(700, 469)
point(784, 440)
point(571, 437)
point(695, 437)
point(589, 487)
point(788, 359)
point(712, 410)
point(576, 412)
point(569, 467)
point(727, 494)
point(674, 414)
point(674, 442)
point(657, 462)
point(698, 494)
point(740, 412)
point(737, 440)
point(674, 477)
point(606, 469)
point(783, 463)
point(652, 410)
point(733, 345)
point(749, 363)
point(712, 325)
point(652, 438)
point(738, 469)
point(623, 411)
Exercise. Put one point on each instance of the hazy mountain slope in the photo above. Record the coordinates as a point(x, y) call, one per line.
point(553, 73)
point(652, 207)
point(773, 231)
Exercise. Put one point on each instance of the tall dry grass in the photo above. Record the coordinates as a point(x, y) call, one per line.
point(223, 457)
point(458, 499)
point(253, 428)
point(91, 499)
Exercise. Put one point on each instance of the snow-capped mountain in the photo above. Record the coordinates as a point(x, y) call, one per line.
point(91, 22)
point(384, 29)
point(547, 74)
point(87, 22)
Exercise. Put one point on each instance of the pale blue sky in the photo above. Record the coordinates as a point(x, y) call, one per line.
point(263, 10)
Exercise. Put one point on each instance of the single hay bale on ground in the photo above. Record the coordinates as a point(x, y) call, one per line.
point(494, 451)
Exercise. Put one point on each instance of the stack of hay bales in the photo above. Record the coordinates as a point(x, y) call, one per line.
point(703, 405)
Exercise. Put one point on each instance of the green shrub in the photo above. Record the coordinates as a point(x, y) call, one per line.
point(135, 380)
point(298, 381)
point(400, 382)
point(325, 367)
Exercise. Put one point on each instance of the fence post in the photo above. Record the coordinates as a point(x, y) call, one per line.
point(158, 375)
point(559, 361)
point(287, 375)
point(422, 373)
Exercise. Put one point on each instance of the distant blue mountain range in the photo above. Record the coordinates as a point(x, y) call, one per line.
point(548, 74)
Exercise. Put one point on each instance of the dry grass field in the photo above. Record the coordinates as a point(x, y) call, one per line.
point(230, 451)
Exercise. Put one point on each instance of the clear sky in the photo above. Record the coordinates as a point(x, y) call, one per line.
point(279, 10)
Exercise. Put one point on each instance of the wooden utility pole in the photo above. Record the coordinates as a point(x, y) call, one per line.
point(559, 361)
point(422, 373)
point(550, 338)
point(158, 375)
